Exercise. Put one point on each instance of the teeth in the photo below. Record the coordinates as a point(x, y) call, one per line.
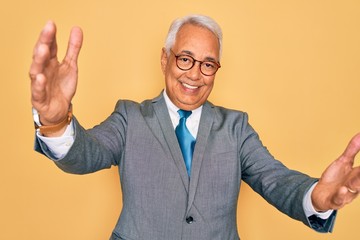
point(189, 86)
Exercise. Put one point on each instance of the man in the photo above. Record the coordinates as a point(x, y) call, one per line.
point(173, 191)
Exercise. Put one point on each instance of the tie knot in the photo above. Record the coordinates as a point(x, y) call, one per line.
point(184, 114)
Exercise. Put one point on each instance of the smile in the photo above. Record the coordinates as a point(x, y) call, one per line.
point(189, 86)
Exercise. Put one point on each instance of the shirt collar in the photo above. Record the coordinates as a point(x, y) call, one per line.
point(172, 108)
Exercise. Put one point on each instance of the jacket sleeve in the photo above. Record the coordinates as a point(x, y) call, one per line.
point(94, 149)
point(281, 187)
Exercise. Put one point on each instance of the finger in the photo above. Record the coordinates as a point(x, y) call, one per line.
point(38, 93)
point(44, 50)
point(74, 45)
point(354, 180)
point(339, 198)
point(40, 59)
point(352, 149)
point(48, 37)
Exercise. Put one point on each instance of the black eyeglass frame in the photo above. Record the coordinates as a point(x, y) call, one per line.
point(193, 63)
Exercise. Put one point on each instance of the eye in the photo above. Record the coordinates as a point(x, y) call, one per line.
point(185, 59)
point(209, 65)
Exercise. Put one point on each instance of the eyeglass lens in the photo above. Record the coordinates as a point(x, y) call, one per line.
point(186, 62)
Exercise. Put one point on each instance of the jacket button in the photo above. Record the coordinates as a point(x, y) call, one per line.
point(189, 220)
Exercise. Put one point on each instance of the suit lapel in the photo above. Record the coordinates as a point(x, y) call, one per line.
point(206, 122)
point(163, 130)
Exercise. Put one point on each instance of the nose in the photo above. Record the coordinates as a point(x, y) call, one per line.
point(194, 73)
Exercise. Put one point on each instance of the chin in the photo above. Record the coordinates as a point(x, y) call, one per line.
point(190, 105)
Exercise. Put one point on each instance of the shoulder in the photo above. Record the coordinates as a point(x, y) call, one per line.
point(130, 105)
point(227, 114)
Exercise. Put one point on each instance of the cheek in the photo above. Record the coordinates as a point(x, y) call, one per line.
point(173, 73)
point(209, 86)
point(171, 81)
point(206, 90)
point(209, 82)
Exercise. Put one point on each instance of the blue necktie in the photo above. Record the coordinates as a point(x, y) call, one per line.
point(186, 140)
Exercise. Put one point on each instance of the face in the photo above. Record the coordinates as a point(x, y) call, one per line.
point(189, 89)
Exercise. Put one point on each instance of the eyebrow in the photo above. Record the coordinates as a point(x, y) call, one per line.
point(207, 59)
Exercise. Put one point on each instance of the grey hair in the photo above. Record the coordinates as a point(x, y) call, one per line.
point(198, 20)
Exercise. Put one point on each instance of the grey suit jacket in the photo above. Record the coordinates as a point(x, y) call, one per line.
point(160, 201)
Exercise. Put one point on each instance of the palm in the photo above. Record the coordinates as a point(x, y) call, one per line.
point(332, 190)
point(54, 83)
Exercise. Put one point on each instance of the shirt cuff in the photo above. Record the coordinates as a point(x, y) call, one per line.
point(59, 146)
point(309, 208)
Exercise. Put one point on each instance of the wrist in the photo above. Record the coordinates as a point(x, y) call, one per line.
point(54, 129)
point(318, 200)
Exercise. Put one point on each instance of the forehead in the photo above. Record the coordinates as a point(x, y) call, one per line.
point(198, 40)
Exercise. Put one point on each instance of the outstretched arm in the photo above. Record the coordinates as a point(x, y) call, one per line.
point(53, 83)
point(340, 183)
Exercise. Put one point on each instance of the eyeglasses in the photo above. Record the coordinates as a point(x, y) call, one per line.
point(186, 62)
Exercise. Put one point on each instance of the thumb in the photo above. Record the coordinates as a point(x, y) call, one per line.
point(352, 149)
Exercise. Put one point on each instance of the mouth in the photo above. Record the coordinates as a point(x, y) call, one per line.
point(190, 86)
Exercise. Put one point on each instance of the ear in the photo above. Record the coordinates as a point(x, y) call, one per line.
point(164, 60)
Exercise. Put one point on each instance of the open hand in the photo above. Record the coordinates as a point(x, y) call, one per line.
point(340, 183)
point(53, 83)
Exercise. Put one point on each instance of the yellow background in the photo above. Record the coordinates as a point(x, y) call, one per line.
point(292, 65)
